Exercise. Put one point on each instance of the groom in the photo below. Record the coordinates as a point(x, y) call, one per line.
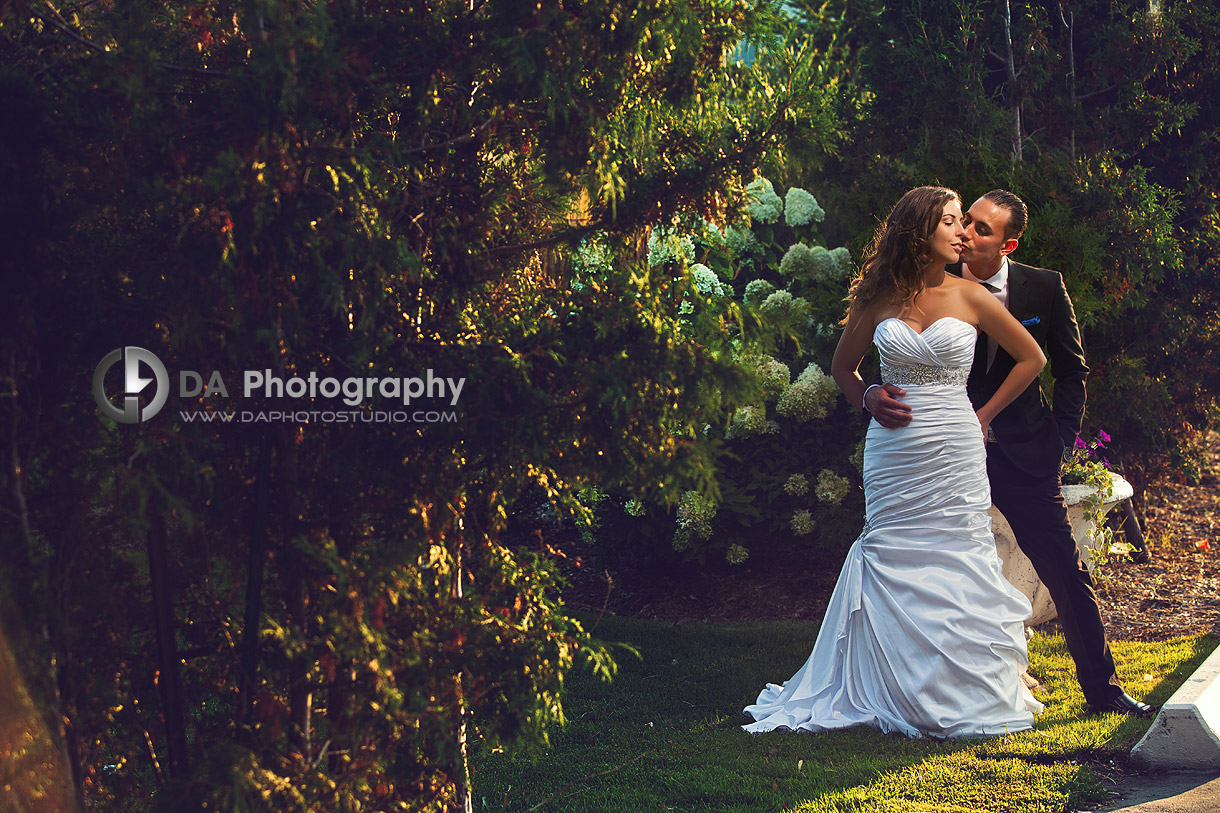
point(1030, 436)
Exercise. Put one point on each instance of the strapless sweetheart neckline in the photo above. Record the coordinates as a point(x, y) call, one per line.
point(926, 329)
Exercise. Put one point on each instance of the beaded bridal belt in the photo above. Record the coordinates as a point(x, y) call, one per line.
point(924, 374)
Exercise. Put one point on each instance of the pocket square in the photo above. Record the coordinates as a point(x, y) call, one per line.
point(1031, 321)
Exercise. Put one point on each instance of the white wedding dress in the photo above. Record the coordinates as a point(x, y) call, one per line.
point(923, 635)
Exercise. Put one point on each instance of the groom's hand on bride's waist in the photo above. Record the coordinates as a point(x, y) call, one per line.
point(882, 402)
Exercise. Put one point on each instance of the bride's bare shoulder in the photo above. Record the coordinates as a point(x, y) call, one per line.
point(867, 315)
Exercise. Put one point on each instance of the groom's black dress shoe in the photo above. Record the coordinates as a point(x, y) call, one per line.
point(1124, 703)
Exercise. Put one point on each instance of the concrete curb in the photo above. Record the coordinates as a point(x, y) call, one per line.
point(1186, 733)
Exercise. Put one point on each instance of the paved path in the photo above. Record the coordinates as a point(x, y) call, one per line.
point(1167, 793)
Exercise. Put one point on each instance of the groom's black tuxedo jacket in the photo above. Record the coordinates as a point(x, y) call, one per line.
point(1030, 432)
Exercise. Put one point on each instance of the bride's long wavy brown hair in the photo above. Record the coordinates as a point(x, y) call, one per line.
point(899, 251)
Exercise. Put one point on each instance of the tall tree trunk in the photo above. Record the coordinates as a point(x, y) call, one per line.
point(255, 565)
point(460, 769)
point(37, 612)
point(167, 647)
point(340, 690)
point(1069, 24)
point(300, 698)
point(461, 762)
point(1013, 92)
point(340, 697)
point(23, 554)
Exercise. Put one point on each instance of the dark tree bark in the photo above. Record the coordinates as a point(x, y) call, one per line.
point(21, 556)
point(167, 648)
point(300, 697)
point(460, 770)
point(255, 566)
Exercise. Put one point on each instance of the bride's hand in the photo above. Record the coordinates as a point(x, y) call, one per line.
point(985, 424)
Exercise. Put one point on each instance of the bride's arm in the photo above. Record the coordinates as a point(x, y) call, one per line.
point(998, 323)
point(853, 344)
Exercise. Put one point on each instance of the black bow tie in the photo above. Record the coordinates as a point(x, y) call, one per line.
point(995, 289)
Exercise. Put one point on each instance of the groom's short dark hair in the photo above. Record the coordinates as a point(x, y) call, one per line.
point(1018, 213)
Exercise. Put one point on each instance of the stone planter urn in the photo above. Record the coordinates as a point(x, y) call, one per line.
point(1016, 565)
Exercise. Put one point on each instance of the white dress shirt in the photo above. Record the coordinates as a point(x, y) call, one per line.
point(998, 284)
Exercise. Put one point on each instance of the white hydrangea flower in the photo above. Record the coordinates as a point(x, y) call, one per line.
point(857, 458)
point(843, 258)
point(695, 513)
point(634, 507)
point(831, 487)
point(766, 206)
point(802, 402)
point(801, 208)
point(778, 302)
point(782, 306)
point(736, 554)
point(814, 375)
point(775, 376)
point(685, 308)
point(740, 240)
point(823, 263)
point(757, 290)
point(665, 246)
point(809, 397)
point(706, 280)
point(593, 257)
point(658, 248)
point(798, 262)
point(802, 523)
point(748, 421)
point(772, 428)
point(797, 485)
point(686, 248)
point(681, 539)
point(713, 235)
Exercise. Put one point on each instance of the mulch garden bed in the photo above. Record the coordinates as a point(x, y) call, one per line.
point(1175, 592)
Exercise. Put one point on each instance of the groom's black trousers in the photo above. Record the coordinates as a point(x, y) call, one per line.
point(1034, 508)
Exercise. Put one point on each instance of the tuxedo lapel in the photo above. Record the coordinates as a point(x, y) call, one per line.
point(978, 367)
point(1019, 295)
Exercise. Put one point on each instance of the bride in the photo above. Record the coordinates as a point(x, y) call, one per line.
point(922, 635)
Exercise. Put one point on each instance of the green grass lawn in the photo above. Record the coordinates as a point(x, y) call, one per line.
point(664, 735)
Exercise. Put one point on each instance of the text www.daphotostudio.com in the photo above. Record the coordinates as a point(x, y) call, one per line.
point(139, 404)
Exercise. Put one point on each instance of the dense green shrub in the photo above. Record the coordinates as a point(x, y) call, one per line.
point(353, 190)
point(783, 473)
